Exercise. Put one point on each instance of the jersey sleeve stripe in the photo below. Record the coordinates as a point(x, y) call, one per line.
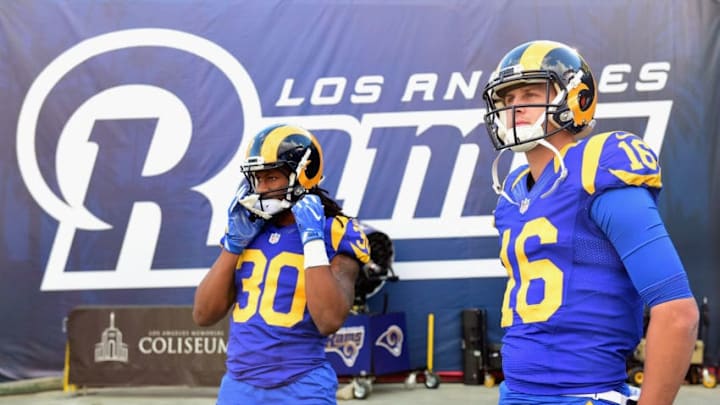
point(651, 180)
point(360, 251)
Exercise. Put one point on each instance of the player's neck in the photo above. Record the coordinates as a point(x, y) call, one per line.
point(539, 156)
point(283, 218)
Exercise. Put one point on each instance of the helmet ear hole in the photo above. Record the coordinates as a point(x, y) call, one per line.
point(585, 99)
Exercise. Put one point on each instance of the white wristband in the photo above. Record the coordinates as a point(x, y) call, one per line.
point(315, 254)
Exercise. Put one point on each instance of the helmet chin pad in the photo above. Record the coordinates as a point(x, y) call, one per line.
point(524, 147)
point(264, 208)
point(521, 136)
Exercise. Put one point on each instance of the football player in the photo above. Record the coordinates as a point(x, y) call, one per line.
point(286, 273)
point(582, 242)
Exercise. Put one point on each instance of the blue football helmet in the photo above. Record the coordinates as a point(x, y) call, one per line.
point(293, 150)
point(554, 64)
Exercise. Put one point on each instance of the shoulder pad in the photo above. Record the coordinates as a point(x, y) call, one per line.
point(619, 159)
point(348, 237)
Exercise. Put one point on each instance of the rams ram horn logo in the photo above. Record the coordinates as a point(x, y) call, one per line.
point(392, 340)
point(346, 343)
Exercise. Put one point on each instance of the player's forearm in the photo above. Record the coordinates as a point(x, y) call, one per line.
point(327, 301)
point(671, 337)
point(216, 291)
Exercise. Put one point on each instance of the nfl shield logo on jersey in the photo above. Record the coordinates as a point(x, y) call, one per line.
point(274, 238)
point(524, 204)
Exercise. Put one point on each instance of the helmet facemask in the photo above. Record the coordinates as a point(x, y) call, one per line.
point(272, 202)
point(506, 134)
point(501, 119)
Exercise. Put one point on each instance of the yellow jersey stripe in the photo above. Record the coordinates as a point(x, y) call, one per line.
point(360, 251)
point(520, 176)
point(591, 160)
point(563, 151)
point(652, 180)
point(338, 230)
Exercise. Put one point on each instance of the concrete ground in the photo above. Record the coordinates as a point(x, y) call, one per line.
point(382, 394)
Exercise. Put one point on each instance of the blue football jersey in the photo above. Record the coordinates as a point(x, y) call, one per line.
point(273, 340)
point(570, 312)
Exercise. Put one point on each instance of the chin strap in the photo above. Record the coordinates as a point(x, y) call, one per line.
point(563, 169)
point(500, 189)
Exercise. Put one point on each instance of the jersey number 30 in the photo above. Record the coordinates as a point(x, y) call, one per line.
point(263, 300)
point(542, 269)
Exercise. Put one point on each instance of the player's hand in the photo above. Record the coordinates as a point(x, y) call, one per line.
point(241, 230)
point(310, 218)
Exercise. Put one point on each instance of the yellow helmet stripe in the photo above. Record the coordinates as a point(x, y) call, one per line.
point(533, 56)
point(274, 138)
point(250, 147)
point(591, 160)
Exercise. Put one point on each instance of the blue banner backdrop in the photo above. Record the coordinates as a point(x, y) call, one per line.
point(124, 124)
